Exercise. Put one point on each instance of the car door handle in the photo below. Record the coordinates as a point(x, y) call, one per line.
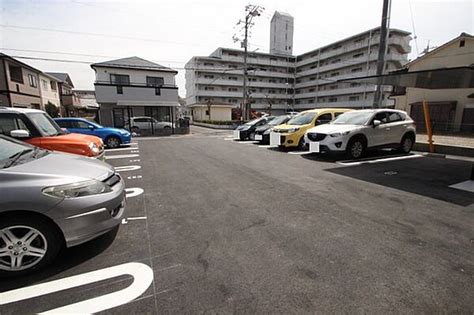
point(387, 128)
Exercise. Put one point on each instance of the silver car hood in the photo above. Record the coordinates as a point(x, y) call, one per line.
point(332, 128)
point(64, 165)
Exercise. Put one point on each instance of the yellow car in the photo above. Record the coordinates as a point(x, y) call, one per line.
point(292, 133)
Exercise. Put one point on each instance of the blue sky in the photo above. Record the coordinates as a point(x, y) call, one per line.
point(171, 32)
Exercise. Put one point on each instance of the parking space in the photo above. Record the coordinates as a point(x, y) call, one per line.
point(223, 227)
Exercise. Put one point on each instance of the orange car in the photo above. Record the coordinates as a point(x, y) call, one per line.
point(37, 128)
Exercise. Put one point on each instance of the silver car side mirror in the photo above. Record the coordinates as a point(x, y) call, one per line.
point(19, 133)
point(377, 123)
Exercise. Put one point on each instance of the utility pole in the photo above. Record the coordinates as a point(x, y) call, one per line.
point(250, 12)
point(378, 96)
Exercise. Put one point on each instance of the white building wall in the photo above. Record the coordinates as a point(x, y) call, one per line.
point(48, 94)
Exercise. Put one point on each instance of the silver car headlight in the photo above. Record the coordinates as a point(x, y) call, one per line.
point(94, 148)
point(339, 134)
point(80, 189)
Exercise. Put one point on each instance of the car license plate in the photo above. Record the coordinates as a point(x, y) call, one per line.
point(258, 137)
point(314, 147)
point(237, 134)
point(275, 138)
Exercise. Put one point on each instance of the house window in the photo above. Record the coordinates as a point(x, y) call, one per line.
point(157, 91)
point(32, 80)
point(53, 85)
point(462, 43)
point(120, 79)
point(154, 81)
point(119, 89)
point(15, 73)
point(45, 84)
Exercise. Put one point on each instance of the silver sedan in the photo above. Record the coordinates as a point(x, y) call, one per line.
point(49, 200)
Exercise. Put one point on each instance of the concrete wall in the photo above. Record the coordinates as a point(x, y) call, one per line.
point(217, 113)
point(452, 55)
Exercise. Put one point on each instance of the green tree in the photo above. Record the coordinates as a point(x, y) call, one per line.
point(52, 110)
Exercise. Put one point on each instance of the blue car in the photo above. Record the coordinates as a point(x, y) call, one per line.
point(112, 137)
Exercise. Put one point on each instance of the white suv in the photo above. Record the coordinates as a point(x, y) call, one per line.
point(356, 131)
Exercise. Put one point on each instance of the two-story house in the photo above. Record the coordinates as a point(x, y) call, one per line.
point(49, 89)
point(69, 100)
point(19, 84)
point(134, 87)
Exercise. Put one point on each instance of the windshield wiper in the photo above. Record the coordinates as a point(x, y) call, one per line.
point(12, 159)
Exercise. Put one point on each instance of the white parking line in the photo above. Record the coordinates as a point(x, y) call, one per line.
point(468, 185)
point(299, 152)
point(142, 278)
point(137, 160)
point(228, 139)
point(133, 192)
point(127, 168)
point(121, 149)
point(247, 142)
point(267, 146)
point(126, 220)
point(381, 160)
point(120, 156)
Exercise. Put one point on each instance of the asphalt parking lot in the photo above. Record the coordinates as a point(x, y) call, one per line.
point(230, 227)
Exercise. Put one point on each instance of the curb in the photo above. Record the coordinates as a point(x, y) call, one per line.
point(222, 127)
point(441, 149)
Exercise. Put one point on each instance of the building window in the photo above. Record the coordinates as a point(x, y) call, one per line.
point(120, 79)
point(333, 87)
point(233, 66)
point(233, 54)
point(208, 76)
point(356, 69)
point(334, 74)
point(353, 98)
point(154, 81)
point(208, 64)
point(53, 85)
point(462, 43)
point(311, 90)
point(119, 89)
point(233, 90)
point(157, 91)
point(332, 99)
point(312, 78)
point(336, 60)
point(311, 101)
point(32, 80)
point(45, 84)
point(354, 84)
point(233, 78)
point(208, 88)
point(357, 55)
point(15, 73)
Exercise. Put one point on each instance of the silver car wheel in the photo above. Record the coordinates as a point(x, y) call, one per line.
point(113, 142)
point(21, 247)
point(356, 149)
point(407, 145)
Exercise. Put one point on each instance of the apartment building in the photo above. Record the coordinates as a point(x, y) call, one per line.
point(19, 84)
point(279, 82)
point(132, 87)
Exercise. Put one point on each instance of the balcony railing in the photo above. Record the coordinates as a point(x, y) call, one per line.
point(136, 84)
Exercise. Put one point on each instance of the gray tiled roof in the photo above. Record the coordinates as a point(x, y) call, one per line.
point(59, 75)
point(133, 63)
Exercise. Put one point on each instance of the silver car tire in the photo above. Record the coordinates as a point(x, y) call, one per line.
point(355, 148)
point(406, 145)
point(27, 244)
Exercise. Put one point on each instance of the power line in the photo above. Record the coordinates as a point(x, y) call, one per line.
point(95, 34)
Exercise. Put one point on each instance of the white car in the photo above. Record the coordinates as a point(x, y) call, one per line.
point(147, 123)
point(356, 131)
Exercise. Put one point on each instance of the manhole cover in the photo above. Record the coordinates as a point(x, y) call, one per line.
point(390, 173)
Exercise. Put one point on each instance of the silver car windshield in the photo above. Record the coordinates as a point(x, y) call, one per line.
point(45, 125)
point(352, 118)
